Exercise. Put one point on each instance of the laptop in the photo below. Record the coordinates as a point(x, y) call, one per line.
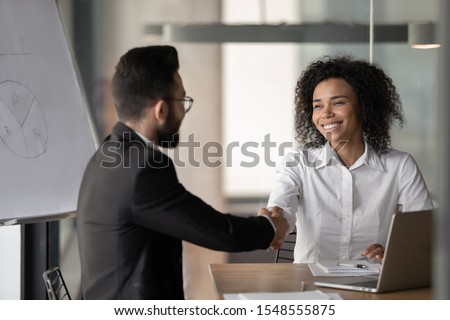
point(406, 262)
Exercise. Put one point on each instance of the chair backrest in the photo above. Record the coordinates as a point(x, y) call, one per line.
point(286, 253)
point(55, 285)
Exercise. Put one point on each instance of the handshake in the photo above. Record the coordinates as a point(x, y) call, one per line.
point(280, 223)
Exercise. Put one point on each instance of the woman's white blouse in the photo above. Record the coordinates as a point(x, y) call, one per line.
point(338, 212)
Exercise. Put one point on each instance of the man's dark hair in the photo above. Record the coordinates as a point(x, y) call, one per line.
point(142, 75)
point(377, 96)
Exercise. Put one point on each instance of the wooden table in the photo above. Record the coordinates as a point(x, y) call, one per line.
point(281, 277)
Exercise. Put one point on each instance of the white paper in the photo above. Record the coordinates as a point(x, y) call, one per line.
point(296, 295)
point(45, 135)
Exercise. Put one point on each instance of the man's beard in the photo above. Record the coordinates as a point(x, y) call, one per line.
point(168, 134)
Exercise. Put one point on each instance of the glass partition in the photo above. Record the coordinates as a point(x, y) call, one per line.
point(259, 82)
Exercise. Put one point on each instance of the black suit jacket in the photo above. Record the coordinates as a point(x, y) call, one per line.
point(133, 214)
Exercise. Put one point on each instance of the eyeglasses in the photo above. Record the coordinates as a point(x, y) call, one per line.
point(186, 101)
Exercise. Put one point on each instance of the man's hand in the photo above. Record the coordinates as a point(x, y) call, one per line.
point(280, 223)
point(374, 251)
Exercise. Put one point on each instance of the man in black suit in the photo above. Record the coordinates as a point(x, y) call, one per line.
point(132, 211)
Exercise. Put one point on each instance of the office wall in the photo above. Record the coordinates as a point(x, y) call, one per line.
point(10, 262)
point(258, 93)
point(442, 221)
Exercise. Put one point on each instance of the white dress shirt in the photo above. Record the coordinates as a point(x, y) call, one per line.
point(339, 211)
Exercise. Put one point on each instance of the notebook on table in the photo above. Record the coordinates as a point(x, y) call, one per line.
point(406, 262)
point(348, 266)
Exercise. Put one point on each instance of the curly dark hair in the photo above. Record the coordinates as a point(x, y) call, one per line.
point(377, 95)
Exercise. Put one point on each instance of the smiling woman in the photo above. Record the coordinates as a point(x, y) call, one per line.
point(333, 189)
point(375, 92)
point(337, 116)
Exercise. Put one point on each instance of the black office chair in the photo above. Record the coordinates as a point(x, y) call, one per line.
point(286, 253)
point(55, 285)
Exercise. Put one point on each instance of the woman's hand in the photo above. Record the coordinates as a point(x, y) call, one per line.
point(374, 251)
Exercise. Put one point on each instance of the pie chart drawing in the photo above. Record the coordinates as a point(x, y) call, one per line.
point(22, 124)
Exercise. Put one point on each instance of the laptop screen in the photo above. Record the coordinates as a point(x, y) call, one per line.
point(407, 259)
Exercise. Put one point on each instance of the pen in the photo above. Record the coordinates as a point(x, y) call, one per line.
point(358, 265)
